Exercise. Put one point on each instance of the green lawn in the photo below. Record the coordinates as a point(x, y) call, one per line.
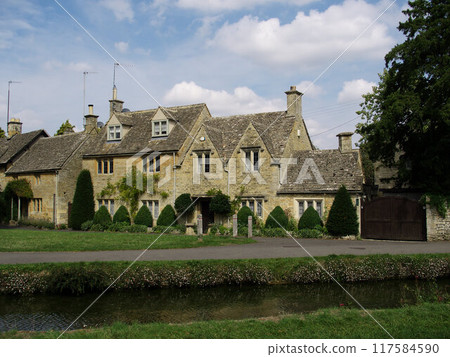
point(24, 240)
point(428, 320)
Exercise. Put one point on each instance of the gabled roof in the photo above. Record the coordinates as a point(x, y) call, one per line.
point(335, 168)
point(274, 129)
point(139, 135)
point(12, 147)
point(48, 154)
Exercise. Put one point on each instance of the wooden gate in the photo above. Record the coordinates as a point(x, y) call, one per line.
point(395, 218)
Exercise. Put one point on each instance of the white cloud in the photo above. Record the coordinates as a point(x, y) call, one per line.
point(353, 90)
point(242, 101)
point(310, 89)
point(121, 8)
point(312, 39)
point(224, 5)
point(121, 46)
point(79, 67)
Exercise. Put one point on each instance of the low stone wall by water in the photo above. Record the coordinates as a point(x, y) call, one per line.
point(438, 228)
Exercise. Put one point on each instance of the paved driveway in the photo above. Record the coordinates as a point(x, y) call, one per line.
point(264, 248)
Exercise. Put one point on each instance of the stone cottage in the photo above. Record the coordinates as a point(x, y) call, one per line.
point(266, 159)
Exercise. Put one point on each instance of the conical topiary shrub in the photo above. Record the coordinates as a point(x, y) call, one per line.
point(166, 217)
point(277, 218)
point(309, 219)
point(220, 204)
point(83, 206)
point(183, 203)
point(144, 217)
point(242, 216)
point(342, 220)
point(122, 215)
point(102, 217)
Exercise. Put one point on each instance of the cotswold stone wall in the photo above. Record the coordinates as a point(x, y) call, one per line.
point(438, 228)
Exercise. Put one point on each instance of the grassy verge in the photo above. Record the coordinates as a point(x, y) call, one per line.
point(79, 278)
point(428, 320)
point(23, 240)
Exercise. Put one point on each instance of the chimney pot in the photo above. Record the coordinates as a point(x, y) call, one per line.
point(91, 121)
point(91, 109)
point(14, 127)
point(294, 102)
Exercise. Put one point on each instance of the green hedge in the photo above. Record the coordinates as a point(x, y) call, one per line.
point(79, 278)
point(277, 218)
point(122, 216)
point(309, 219)
point(101, 217)
point(144, 217)
point(83, 207)
point(166, 217)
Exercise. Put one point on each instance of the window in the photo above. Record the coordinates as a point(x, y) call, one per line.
point(160, 128)
point(204, 162)
point(304, 204)
point(153, 206)
point(109, 204)
point(37, 204)
point(252, 203)
point(114, 132)
point(252, 160)
point(151, 164)
point(37, 179)
point(105, 166)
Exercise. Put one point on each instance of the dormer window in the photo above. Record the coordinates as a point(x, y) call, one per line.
point(114, 132)
point(160, 128)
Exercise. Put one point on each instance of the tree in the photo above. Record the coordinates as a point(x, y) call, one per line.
point(2, 133)
point(65, 127)
point(183, 203)
point(122, 216)
point(407, 117)
point(342, 220)
point(166, 217)
point(277, 218)
point(309, 219)
point(220, 203)
point(242, 216)
point(144, 217)
point(83, 206)
point(102, 217)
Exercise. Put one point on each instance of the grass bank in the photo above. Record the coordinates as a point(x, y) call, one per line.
point(25, 240)
point(79, 278)
point(427, 320)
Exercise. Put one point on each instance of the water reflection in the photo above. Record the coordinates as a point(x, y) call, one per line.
point(44, 312)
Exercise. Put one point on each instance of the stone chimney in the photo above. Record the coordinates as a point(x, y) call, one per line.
point(91, 121)
point(14, 127)
point(294, 102)
point(115, 105)
point(345, 142)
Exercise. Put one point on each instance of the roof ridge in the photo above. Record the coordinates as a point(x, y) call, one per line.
point(246, 115)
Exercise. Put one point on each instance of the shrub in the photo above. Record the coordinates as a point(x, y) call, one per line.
point(292, 225)
point(242, 216)
point(309, 233)
point(166, 217)
point(62, 226)
point(144, 217)
point(243, 231)
point(97, 228)
point(183, 203)
point(277, 218)
point(83, 207)
point(342, 220)
point(309, 219)
point(220, 203)
point(38, 223)
point(136, 228)
point(102, 217)
point(122, 215)
point(86, 226)
point(3, 208)
point(224, 231)
point(117, 227)
point(273, 232)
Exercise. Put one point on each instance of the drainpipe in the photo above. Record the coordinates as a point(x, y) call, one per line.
point(55, 202)
point(225, 168)
point(174, 179)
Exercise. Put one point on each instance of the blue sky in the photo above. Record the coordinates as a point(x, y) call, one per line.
point(236, 56)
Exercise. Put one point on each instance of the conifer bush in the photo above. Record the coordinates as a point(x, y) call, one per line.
point(102, 217)
point(342, 220)
point(122, 216)
point(220, 203)
point(242, 216)
point(309, 219)
point(276, 218)
point(83, 206)
point(144, 217)
point(183, 203)
point(166, 217)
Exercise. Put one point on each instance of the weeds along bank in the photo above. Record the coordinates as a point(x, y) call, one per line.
point(79, 278)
